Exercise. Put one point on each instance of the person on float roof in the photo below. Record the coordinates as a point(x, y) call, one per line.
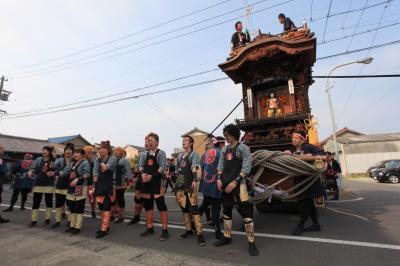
point(239, 38)
point(288, 24)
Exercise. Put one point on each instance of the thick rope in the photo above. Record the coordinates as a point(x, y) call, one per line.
point(285, 164)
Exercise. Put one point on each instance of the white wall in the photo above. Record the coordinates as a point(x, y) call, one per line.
point(360, 162)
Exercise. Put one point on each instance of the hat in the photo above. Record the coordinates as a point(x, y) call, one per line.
point(28, 156)
point(105, 145)
point(220, 139)
point(300, 133)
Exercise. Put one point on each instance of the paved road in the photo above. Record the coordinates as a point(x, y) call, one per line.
point(362, 229)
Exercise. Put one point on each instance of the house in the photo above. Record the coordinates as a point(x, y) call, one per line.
point(357, 152)
point(77, 140)
point(16, 147)
point(133, 151)
point(199, 137)
point(344, 132)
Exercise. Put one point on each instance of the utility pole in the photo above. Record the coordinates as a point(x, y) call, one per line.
point(3, 94)
point(2, 84)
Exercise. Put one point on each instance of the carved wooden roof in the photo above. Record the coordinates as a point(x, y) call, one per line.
point(269, 52)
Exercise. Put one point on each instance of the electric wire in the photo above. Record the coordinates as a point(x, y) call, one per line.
point(33, 112)
point(119, 99)
point(118, 93)
point(360, 50)
point(120, 38)
point(138, 42)
point(327, 18)
point(358, 24)
point(362, 67)
point(351, 11)
point(345, 16)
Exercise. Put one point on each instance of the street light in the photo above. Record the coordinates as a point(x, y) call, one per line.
point(328, 91)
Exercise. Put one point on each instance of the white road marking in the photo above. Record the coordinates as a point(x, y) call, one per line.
point(349, 200)
point(286, 237)
point(346, 212)
point(167, 196)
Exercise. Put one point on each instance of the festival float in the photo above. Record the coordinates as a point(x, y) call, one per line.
point(275, 73)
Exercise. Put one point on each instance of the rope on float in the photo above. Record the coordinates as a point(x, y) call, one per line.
point(285, 164)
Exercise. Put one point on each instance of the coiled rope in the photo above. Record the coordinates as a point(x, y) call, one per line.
point(285, 164)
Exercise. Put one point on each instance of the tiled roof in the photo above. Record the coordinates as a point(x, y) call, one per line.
point(66, 139)
point(370, 138)
point(196, 130)
point(62, 139)
point(339, 133)
point(22, 144)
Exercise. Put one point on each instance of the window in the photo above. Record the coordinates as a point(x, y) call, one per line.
point(393, 164)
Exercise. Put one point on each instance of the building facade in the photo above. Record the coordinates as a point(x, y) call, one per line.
point(199, 137)
point(357, 152)
point(133, 151)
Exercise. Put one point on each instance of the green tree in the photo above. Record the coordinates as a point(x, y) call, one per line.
point(134, 161)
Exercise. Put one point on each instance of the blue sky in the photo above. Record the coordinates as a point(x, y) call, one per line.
point(37, 31)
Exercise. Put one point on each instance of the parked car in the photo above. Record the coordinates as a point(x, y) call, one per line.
point(378, 165)
point(391, 172)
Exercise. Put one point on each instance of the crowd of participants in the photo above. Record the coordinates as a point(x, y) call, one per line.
point(102, 177)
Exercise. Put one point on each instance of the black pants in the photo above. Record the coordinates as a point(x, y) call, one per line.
point(77, 207)
point(308, 210)
point(215, 204)
point(335, 188)
point(16, 192)
point(148, 204)
point(37, 199)
point(60, 200)
point(245, 208)
point(1, 191)
point(120, 198)
point(106, 205)
point(169, 183)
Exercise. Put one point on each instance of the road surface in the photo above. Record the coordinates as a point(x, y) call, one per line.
point(361, 229)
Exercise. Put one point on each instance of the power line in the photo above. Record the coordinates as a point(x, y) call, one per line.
point(151, 62)
point(373, 104)
point(358, 24)
point(360, 50)
point(117, 100)
point(327, 18)
point(360, 33)
point(158, 109)
point(362, 67)
point(152, 44)
point(122, 37)
point(220, 123)
point(358, 76)
point(340, 38)
point(345, 16)
point(351, 11)
point(311, 8)
point(368, 24)
point(118, 93)
point(142, 41)
point(28, 113)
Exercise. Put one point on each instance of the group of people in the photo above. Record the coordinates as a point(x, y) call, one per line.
point(103, 176)
point(240, 38)
point(220, 175)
